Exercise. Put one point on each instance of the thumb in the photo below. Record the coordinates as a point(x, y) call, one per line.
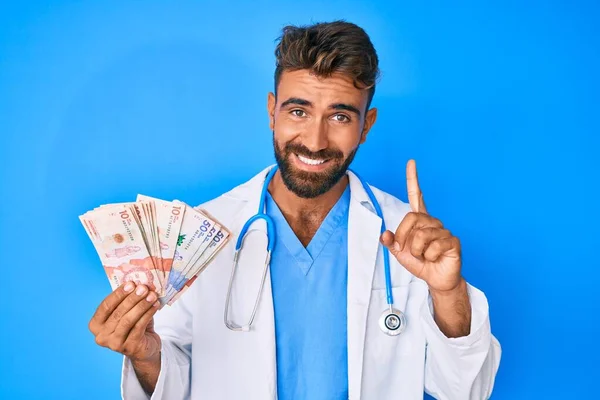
point(389, 241)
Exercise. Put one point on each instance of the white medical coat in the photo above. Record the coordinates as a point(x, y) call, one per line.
point(203, 360)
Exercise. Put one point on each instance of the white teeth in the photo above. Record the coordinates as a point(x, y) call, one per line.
point(310, 161)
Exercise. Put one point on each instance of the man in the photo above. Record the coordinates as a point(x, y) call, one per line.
point(316, 332)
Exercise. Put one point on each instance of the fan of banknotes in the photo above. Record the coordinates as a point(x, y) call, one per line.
point(162, 244)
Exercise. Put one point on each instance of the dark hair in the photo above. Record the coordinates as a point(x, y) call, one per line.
point(327, 48)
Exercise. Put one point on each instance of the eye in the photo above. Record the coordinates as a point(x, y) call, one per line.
point(298, 113)
point(341, 118)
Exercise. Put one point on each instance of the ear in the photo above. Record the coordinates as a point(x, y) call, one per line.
point(370, 119)
point(271, 103)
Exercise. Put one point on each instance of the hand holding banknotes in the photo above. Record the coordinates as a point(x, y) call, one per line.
point(152, 251)
point(123, 322)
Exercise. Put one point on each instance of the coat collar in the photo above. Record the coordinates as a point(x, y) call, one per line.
point(364, 229)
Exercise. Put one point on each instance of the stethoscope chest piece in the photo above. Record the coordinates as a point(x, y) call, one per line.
point(392, 322)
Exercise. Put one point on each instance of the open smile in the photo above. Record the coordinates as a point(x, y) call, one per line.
point(310, 164)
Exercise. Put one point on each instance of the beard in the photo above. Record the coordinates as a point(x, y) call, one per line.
point(309, 185)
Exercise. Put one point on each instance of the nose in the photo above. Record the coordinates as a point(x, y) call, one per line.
point(315, 137)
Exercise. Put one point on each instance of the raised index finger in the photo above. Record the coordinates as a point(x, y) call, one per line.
point(415, 197)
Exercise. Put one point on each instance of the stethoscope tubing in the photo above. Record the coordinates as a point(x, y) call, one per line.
point(392, 321)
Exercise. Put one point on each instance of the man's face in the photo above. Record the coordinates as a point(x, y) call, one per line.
point(317, 124)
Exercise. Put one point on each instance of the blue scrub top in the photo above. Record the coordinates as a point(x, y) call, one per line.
point(309, 294)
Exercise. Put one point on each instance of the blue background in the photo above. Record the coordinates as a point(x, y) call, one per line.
point(498, 103)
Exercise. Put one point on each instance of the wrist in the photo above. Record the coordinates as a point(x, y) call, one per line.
point(143, 362)
point(452, 310)
point(457, 291)
point(147, 371)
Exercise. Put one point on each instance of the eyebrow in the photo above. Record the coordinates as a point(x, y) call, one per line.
point(297, 101)
point(337, 106)
point(346, 107)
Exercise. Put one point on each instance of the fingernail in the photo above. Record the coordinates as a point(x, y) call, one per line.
point(151, 297)
point(156, 304)
point(128, 287)
point(140, 290)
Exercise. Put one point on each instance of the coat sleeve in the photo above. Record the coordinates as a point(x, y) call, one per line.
point(465, 367)
point(174, 326)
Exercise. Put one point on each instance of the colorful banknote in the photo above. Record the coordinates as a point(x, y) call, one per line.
point(218, 238)
point(120, 245)
point(169, 217)
point(162, 244)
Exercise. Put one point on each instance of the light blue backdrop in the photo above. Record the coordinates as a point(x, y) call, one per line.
point(498, 103)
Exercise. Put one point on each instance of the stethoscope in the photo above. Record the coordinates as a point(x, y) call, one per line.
point(392, 321)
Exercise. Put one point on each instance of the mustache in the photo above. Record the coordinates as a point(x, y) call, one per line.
point(303, 151)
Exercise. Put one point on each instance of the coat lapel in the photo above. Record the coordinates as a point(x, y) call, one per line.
point(364, 230)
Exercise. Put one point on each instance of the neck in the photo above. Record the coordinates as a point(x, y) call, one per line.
point(305, 215)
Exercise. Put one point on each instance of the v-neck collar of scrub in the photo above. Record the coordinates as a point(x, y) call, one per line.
point(305, 256)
